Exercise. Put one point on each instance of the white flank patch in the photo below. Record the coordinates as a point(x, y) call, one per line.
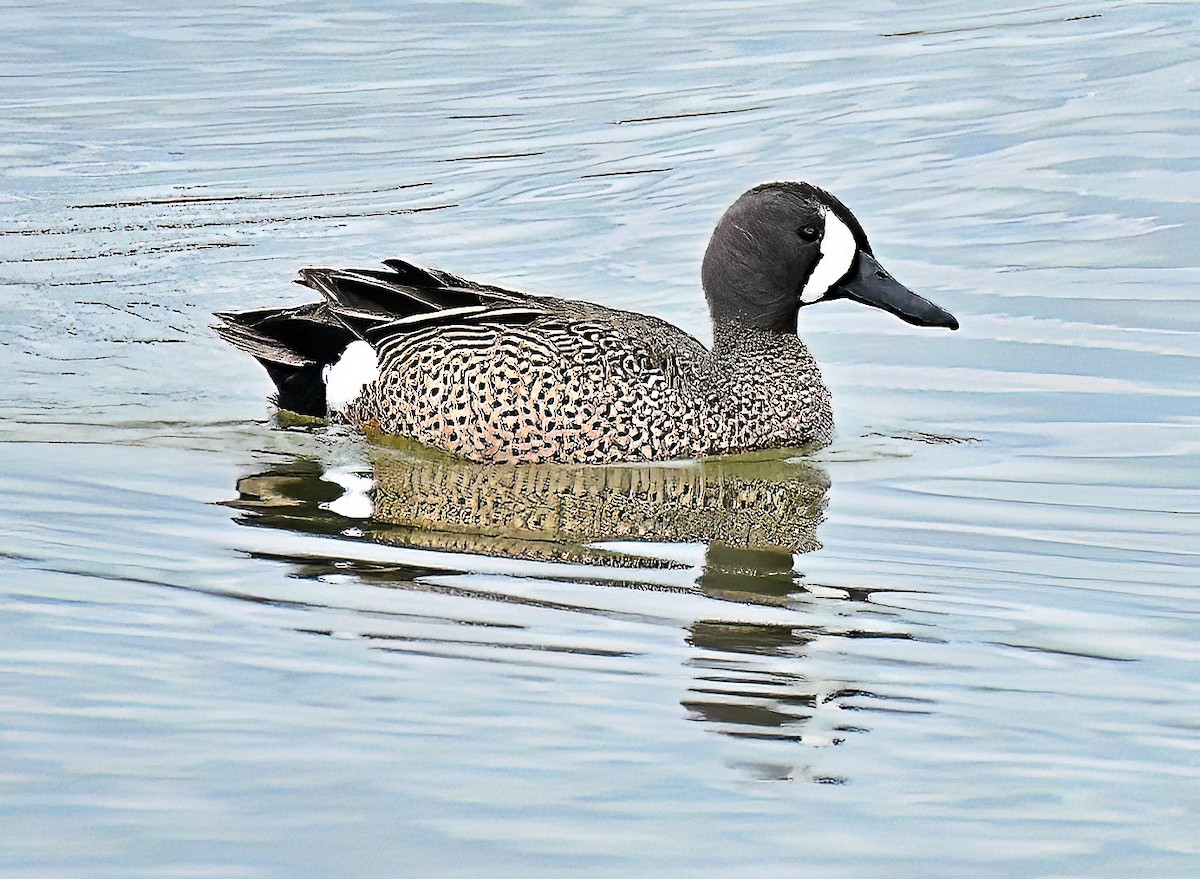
point(344, 381)
point(355, 502)
point(837, 255)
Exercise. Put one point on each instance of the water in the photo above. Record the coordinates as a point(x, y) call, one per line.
point(969, 648)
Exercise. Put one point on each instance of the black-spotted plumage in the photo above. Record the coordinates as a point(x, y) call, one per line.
point(494, 375)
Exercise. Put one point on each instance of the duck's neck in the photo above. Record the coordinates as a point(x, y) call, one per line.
point(735, 339)
point(770, 393)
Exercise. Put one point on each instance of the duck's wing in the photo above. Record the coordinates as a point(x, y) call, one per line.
point(403, 294)
point(386, 307)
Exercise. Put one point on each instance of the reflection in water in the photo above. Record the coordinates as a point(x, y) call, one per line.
point(751, 514)
point(415, 497)
point(748, 682)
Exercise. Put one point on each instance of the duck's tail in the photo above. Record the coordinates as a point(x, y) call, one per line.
point(294, 345)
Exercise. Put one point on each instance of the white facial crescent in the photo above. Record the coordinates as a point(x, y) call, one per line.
point(837, 255)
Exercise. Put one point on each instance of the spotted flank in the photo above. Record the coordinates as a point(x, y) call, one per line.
point(490, 374)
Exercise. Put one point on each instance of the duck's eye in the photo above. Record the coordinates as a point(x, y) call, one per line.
point(808, 233)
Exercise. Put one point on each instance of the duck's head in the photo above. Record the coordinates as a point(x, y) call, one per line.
point(782, 246)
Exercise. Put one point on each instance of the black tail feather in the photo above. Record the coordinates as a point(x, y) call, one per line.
point(294, 345)
point(299, 389)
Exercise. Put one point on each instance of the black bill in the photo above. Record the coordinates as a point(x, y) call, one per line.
point(871, 284)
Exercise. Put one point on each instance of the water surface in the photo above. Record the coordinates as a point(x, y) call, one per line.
point(961, 641)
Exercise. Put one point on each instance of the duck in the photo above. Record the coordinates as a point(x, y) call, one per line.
point(490, 374)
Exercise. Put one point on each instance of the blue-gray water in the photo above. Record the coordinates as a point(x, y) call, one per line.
point(991, 667)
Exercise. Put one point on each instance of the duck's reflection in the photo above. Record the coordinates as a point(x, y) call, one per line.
point(752, 517)
point(423, 499)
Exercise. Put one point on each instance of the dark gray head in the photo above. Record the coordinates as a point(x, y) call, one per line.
point(782, 246)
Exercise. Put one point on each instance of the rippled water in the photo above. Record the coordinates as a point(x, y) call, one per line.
point(964, 640)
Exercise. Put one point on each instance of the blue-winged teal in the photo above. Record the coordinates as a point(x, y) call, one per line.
point(494, 375)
